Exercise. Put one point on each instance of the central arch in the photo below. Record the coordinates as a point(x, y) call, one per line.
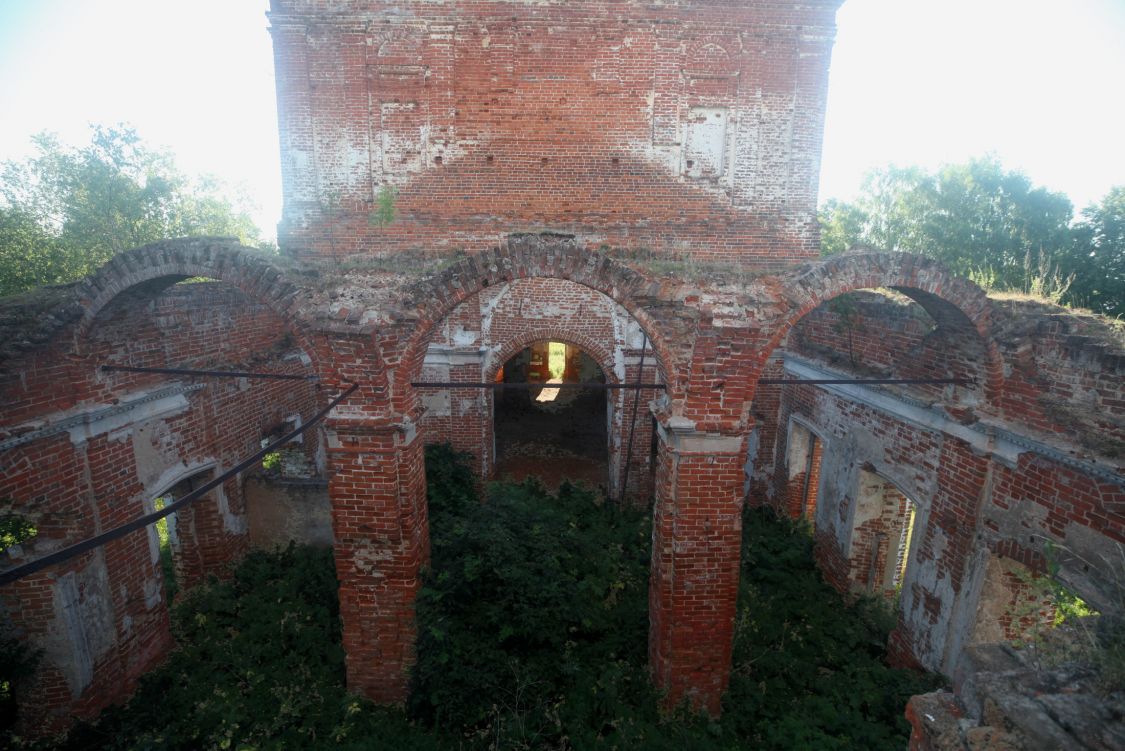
point(480, 335)
point(538, 256)
point(378, 486)
point(552, 433)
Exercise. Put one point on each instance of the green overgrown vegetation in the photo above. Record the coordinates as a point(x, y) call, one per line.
point(533, 632)
point(1078, 634)
point(167, 564)
point(15, 529)
point(17, 660)
point(65, 210)
point(258, 666)
point(271, 462)
point(384, 212)
point(994, 226)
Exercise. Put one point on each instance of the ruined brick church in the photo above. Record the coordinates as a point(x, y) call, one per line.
point(467, 181)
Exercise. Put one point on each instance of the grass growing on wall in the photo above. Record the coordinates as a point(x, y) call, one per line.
point(533, 629)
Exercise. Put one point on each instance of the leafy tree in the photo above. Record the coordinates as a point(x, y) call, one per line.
point(1098, 257)
point(973, 217)
point(64, 211)
point(30, 255)
point(841, 226)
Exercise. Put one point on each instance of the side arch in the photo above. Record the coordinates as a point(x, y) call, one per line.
point(162, 264)
point(949, 300)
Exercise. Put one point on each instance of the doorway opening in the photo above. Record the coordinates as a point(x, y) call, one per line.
point(166, 535)
point(805, 452)
point(553, 433)
point(884, 531)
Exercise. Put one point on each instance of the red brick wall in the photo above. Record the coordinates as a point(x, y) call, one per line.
point(768, 419)
point(1064, 376)
point(72, 488)
point(880, 337)
point(875, 540)
point(1014, 499)
point(1062, 369)
point(804, 480)
point(379, 519)
point(680, 128)
point(1029, 609)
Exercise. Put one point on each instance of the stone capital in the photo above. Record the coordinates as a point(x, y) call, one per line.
point(681, 436)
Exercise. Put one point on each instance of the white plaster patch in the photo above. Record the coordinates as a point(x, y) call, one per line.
point(463, 338)
point(232, 522)
point(705, 142)
point(117, 419)
point(173, 474)
point(152, 592)
point(82, 629)
point(436, 402)
point(368, 559)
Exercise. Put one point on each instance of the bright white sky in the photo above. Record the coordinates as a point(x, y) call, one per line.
point(1040, 83)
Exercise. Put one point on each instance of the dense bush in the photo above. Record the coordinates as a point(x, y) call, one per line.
point(534, 628)
point(259, 665)
point(809, 669)
point(533, 621)
point(533, 633)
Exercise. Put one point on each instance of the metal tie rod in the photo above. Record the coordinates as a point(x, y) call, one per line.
point(860, 381)
point(26, 569)
point(209, 373)
point(661, 386)
point(544, 385)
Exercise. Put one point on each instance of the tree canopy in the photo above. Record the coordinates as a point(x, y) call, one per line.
point(64, 211)
point(1098, 257)
point(993, 225)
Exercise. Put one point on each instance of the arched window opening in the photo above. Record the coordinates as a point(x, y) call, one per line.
point(293, 458)
point(883, 533)
point(554, 433)
point(805, 450)
point(166, 538)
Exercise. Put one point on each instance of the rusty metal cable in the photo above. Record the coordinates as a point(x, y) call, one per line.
point(31, 567)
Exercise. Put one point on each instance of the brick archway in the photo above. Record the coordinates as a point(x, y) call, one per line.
point(170, 261)
point(527, 257)
point(618, 428)
point(948, 299)
point(514, 345)
point(382, 531)
point(518, 315)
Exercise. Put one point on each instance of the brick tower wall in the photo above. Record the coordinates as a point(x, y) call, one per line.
point(681, 128)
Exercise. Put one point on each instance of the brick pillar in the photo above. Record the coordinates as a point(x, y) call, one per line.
point(377, 488)
point(697, 536)
point(470, 425)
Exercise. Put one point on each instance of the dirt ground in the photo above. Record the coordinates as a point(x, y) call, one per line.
point(555, 441)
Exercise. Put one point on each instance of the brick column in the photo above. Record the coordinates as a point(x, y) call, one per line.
point(377, 488)
point(696, 542)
